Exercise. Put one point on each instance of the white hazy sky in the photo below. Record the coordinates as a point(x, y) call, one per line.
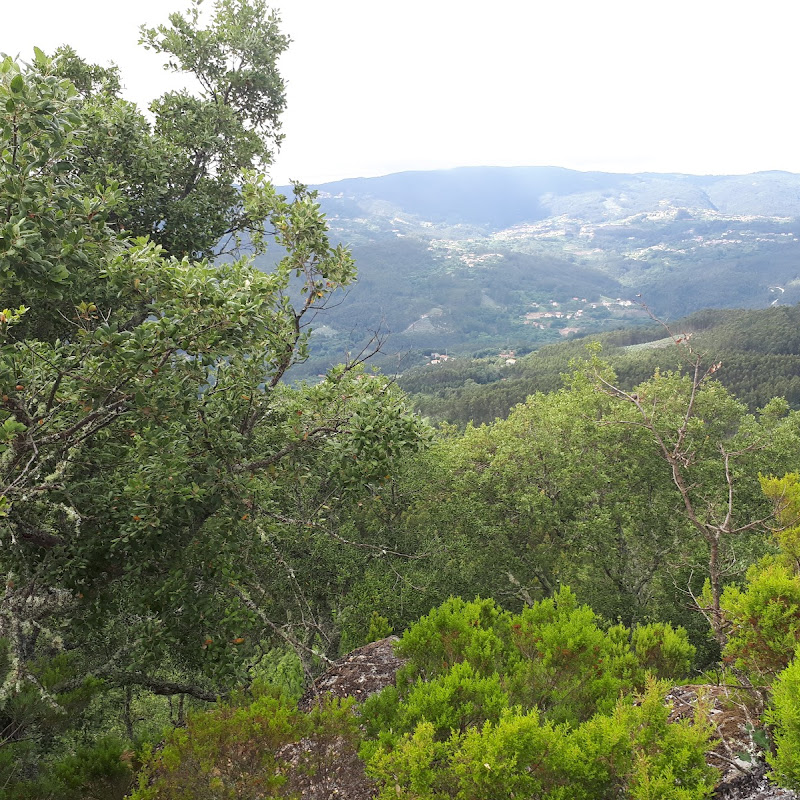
point(373, 87)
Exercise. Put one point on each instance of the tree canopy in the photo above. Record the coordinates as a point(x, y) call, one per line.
point(159, 482)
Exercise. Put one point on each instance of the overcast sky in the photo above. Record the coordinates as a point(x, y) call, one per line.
point(707, 86)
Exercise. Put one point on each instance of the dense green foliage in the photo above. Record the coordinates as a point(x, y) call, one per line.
point(495, 704)
point(784, 715)
point(178, 175)
point(552, 655)
point(579, 487)
point(238, 751)
point(764, 621)
point(463, 721)
point(632, 752)
point(165, 497)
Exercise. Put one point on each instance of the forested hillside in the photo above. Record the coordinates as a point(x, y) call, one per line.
point(758, 352)
point(189, 535)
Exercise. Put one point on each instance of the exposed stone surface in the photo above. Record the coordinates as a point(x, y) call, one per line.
point(738, 755)
point(753, 786)
point(359, 674)
point(337, 771)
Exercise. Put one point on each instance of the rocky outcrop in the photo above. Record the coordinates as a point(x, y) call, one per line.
point(359, 674)
point(339, 772)
point(752, 786)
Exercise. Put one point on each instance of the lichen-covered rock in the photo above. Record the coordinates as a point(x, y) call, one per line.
point(338, 771)
point(752, 786)
point(358, 675)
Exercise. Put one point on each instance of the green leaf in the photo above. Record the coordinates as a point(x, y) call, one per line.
point(40, 58)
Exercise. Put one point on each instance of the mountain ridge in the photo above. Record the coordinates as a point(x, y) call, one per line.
point(479, 188)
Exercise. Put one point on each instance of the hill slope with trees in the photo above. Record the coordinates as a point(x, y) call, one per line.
point(759, 353)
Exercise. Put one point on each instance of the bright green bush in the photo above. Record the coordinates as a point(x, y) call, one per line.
point(663, 650)
point(379, 628)
point(455, 701)
point(476, 632)
point(490, 705)
point(764, 620)
point(784, 716)
point(518, 756)
point(414, 767)
point(633, 752)
point(570, 668)
point(537, 704)
point(554, 655)
point(669, 760)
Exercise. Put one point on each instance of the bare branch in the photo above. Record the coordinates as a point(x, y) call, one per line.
point(280, 631)
point(162, 687)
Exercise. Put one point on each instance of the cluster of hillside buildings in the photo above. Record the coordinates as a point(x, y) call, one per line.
point(553, 311)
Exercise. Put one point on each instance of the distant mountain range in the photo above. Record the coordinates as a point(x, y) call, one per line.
point(480, 258)
point(494, 198)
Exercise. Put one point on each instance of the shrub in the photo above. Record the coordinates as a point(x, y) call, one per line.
point(784, 716)
point(233, 751)
point(663, 650)
point(100, 771)
point(496, 705)
point(413, 768)
point(764, 620)
point(476, 632)
point(554, 655)
point(517, 756)
point(633, 752)
point(570, 668)
point(669, 760)
point(456, 701)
